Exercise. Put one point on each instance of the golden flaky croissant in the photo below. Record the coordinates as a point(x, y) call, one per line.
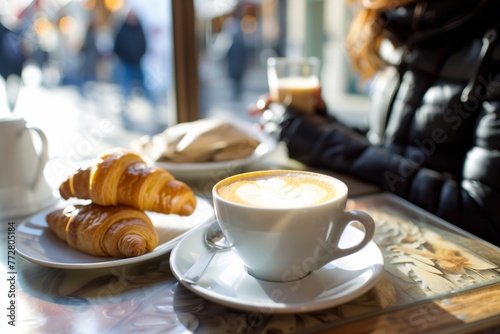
point(121, 177)
point(116, 231)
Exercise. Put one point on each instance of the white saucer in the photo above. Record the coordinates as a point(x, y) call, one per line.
point(37, 243)
point(28, 209)
point(227, 282)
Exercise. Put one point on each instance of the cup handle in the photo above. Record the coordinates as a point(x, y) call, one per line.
point(334, 251)
point(42, 157)
point(367, 221)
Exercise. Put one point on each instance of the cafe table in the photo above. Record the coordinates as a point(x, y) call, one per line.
point(428, 277)
point(433, 278)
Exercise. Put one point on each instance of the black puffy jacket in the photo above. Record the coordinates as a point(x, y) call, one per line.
point(434, 136)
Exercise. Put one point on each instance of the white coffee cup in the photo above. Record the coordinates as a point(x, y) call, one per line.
point(285, 224)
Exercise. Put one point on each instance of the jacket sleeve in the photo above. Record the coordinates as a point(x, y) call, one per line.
point(472, 204)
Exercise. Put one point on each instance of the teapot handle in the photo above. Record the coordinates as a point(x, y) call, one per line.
point(42, 157)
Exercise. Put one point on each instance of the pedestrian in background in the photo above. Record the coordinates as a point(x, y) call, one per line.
point(12, 59)
point(236, 56)
point(130, 46)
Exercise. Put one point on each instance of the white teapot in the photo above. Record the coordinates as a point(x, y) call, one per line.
point(23, 188)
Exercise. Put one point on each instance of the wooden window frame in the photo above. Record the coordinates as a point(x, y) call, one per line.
point(185, 61)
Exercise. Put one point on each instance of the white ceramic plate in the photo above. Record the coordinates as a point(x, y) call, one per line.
point(226, 281)
point(226, 168)
point(37, 243)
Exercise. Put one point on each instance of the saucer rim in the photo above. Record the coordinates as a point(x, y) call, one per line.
point(33, 208)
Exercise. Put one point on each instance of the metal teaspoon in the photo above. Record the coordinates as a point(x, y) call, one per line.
point(216, 241)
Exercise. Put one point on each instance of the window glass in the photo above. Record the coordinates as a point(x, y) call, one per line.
point(111, 58)
point(235, 38)
point(344, 93)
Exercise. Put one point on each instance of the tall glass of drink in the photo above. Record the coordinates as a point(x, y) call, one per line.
point(294, 82)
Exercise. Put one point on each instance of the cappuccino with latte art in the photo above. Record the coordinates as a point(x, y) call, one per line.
point(277, 189)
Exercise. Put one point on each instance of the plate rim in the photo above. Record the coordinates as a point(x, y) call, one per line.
point(276, 308)
point(106, 262)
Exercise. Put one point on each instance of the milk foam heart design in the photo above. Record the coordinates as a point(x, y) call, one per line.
point(277, 192)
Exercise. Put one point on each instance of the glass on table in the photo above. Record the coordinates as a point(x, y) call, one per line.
point(294, 82)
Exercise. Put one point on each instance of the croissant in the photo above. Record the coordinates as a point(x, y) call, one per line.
point(116, 231)
point(121, 177)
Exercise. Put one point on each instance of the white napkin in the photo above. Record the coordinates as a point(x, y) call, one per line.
point(204, 140)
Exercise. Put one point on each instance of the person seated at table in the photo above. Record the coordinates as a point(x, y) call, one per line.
point(434, 136)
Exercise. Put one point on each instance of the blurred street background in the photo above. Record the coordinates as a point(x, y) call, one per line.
point(67, 54)
point(104, 68)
